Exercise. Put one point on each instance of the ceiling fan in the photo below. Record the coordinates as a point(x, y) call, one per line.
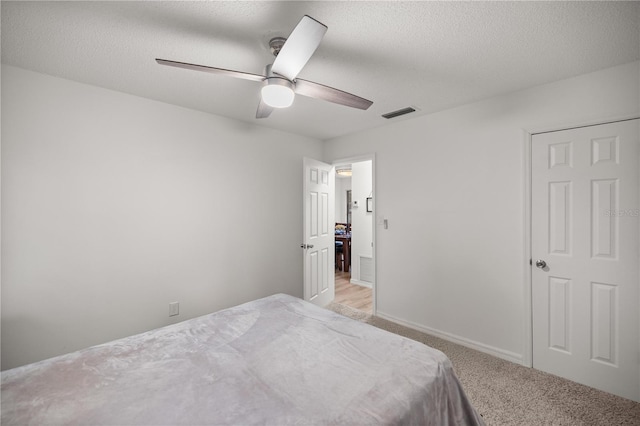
point(279, 82)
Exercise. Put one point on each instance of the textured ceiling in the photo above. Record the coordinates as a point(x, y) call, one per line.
point(429, 55)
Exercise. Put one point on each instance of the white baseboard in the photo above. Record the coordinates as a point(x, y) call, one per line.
point(497, 352)
point(360, 283)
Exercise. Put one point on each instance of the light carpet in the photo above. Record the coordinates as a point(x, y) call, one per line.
point(505, 393)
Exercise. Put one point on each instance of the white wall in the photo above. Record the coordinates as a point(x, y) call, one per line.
point(342, 186)
point(362, 221)
point(451, 186)
point(113, 206)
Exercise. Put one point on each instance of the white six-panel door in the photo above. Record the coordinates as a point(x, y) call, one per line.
point(585, 191)
point(319, 226)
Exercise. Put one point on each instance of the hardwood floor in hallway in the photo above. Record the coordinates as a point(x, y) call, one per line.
point(352, 295)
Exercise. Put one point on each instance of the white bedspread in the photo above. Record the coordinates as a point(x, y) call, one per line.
point(277, 360)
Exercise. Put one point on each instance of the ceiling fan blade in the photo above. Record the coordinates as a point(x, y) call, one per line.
point(220, 71)
point(296, 51)
point(320, 91)
point(264, 110)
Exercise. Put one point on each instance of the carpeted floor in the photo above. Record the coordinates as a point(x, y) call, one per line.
point(505, 393)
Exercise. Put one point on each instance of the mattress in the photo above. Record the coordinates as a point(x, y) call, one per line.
point(277, 360)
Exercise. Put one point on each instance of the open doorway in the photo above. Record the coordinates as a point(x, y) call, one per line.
point(354, 235)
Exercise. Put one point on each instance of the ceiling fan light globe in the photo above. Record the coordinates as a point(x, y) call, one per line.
point(278, 93)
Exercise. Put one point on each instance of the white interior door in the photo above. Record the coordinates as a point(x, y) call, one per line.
point(584, 220)
point(319, 224)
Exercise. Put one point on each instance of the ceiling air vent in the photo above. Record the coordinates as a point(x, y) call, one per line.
point(398, 113)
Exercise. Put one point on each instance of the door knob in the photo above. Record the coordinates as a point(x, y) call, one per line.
point(541, 264)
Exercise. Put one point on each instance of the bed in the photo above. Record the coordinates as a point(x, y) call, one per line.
point(277, 360)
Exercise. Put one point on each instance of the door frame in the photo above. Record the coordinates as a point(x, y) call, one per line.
point(355, 159)
point(527, 352)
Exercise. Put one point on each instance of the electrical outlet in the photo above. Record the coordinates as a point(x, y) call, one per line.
point(174, 309)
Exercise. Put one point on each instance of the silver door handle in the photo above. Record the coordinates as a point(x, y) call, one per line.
point(309, 245)
point(541, 264)
point(306, 246)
